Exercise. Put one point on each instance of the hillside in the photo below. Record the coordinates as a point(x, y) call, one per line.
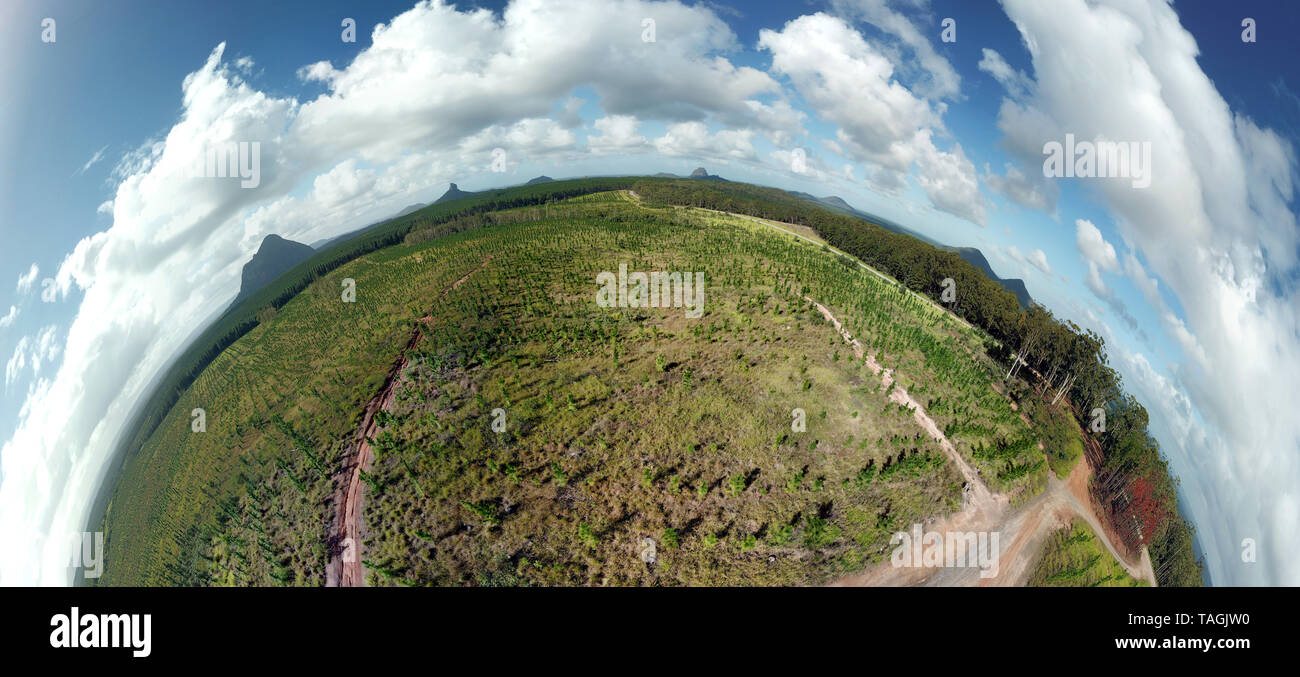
point(593, 456)
point(409, 209)
point(274, 257)
point(970, 254)
point(837, 204)
point(620, 424)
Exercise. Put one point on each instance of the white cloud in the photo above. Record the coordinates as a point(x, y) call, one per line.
point(881, 122)
point(435, 75)
point(343, 183)
point(1100, 256)
point(568, 116)
point(618, 134)
point(940, 78)
point(530, 136)
point(1039, 260)
point(94, 159)
point(1094, 247)
point(1025, 191)
point(887, 181)
point(1015, 82)
point(35, 351)
point(1036, 258)
point(28, 279)
point(694, 140)
point(802, 162)
point(9, 317)
point(780, 121)
point(948, 179)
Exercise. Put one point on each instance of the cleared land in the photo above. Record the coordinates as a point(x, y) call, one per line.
point(619, 424)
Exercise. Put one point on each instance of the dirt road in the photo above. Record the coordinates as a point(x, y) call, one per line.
point(346, 532)
point(1021, 533)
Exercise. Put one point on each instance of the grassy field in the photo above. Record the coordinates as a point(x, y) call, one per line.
point(620, 424)
point(1074, 557)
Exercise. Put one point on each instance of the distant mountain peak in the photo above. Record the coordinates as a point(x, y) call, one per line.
point(702, 173)
point(836, 200)
point(454, 192)
point(274, 257)
point(541, 179)
point(975, 257)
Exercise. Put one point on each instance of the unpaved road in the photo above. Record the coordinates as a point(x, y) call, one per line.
point(1021, 533)
point(345, 535)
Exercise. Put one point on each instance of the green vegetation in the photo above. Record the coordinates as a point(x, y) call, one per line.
point(1059, 433)
point(593, 457)
point(621, 423)
point(1133, 480)
point(1074, 557)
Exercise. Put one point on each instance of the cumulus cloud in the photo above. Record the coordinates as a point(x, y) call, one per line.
point(880, 122)
point(1215, 228)
point(534, 138)
point(693, 139)
point(1039, 260)
point(1094, 247)
point(809, 164)
point(342, 183)
point(948, 179)
point(9, 317)
point(618, 133)
point(435, 74)
point(938, 78)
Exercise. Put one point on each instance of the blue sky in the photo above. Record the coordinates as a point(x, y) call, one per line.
point(1192, 281)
